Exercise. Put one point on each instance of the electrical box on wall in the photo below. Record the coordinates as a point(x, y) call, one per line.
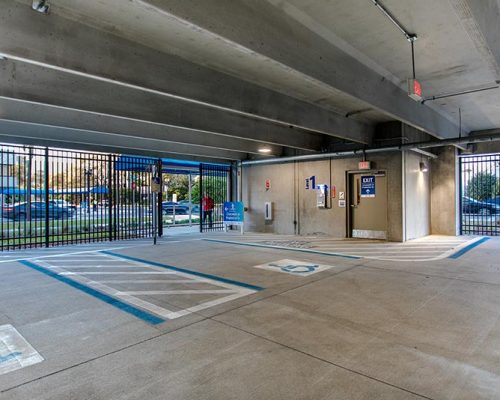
point(268, 211)
point(321, 196)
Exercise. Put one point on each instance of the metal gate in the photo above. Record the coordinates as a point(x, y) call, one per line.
point(51, 197)
point(480, 195)
point(215, 189)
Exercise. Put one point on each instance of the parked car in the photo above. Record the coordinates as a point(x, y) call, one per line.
point(64, 203)
point(471, 206)
point(18, 211)
point(195, 208)
point(493, 200)
point(168, 208)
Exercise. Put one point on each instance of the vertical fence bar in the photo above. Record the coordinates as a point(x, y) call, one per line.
point(46, 199)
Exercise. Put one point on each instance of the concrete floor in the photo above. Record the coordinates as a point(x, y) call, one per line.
point(363, 329)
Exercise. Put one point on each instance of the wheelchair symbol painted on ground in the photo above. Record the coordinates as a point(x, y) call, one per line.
point(294, 267)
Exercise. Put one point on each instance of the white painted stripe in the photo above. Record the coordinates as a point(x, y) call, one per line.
point(150, 281)
point(155, 292)
point(78, 267)
point(118, 273)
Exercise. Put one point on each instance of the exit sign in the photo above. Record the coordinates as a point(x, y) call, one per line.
point(364, 165)
point(414, 89)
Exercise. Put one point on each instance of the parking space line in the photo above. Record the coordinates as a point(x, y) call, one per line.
point(186, 271)
point(141, 314)
point(156, 292)
point(126, 299)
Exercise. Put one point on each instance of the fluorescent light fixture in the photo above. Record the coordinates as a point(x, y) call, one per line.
point(423, 167)
point(265, 150)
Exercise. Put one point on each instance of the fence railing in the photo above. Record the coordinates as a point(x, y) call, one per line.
point(52, 197)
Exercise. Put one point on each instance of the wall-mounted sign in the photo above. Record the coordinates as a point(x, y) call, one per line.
point(342, 203)
point(368, 186)
point(156, 184)
point(311, 182)
point(341, 195)
point(233, 213)
point(334, 191)
point(268, 184)
point(321, 196)
point(364, 165)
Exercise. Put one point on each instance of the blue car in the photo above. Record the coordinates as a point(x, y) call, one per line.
point(18, 211)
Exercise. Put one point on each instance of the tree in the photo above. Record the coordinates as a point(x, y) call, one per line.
point(178, 184)
point(216, 187)
point(482, 186)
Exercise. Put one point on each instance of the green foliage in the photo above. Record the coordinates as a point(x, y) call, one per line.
point(482, 186)
point(216, 187)
point(178, 184)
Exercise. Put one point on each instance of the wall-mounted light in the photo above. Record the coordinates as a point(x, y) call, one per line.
point(265, 150)
point(41, 6)
point(423, 167)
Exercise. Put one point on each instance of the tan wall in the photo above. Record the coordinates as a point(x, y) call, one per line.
point(417, 196)
point(292, 202)
point(444, 189)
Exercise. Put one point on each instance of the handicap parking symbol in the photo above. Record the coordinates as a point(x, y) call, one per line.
point(296, 269)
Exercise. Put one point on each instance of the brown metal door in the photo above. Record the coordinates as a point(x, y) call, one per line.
point(368, 206)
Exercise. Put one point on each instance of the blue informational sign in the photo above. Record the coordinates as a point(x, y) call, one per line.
point(368, 186)
point(233, 212)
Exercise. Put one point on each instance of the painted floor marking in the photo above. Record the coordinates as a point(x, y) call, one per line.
point(294, 267)
point(418, 250)
point(15, 351)
point(225, 289)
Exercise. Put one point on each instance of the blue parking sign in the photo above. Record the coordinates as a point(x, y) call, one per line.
point(233, 213)
point(368, 186)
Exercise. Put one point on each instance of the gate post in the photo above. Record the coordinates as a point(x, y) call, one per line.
point(110, 196)
point(160, 198)
point(46, 185)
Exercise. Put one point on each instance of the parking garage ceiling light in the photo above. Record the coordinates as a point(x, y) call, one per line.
point(265, 150)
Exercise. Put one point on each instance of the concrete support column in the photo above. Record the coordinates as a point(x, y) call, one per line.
point(444, 193)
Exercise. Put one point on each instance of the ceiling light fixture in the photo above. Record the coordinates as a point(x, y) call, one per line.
point(265, 150)
point(423, 167)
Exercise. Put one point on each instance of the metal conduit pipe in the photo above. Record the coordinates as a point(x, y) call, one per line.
point(407, 146)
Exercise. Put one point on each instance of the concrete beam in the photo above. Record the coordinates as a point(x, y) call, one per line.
point(264, 29)
point(481, 19)
point(122, 128)
point(27, 133)
point(38, 84)
point(45, 41)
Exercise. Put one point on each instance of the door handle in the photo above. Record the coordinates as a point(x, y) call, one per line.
point(354, 205)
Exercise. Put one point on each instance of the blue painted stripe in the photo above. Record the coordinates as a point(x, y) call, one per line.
point(268, 246)
point(136, 312)
point(185, 271)
point(461, 252)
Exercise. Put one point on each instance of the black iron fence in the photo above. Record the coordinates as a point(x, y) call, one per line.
point(215, 189)
point(51, 197)
point(480, 195)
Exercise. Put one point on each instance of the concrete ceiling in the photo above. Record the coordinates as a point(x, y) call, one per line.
point(219, 79)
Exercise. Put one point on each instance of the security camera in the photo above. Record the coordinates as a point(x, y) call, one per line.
point(41, 6)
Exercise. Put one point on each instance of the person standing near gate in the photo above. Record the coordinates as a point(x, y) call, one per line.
point(207, 205)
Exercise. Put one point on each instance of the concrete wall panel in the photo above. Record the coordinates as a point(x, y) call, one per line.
point(292, 202)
